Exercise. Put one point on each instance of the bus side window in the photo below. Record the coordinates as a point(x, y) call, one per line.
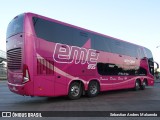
point(101, 43)
point(139, 53)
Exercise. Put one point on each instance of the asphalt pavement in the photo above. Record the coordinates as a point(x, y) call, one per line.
point(113, 101)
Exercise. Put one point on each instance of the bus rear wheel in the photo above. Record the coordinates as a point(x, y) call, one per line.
point(75, 91)
point(93, 89)
point(137, 85)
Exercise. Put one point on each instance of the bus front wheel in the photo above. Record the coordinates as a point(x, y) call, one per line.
point(75, 91)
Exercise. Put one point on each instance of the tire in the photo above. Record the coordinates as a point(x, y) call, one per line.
point(93, 89)
point(143, 86)
point(137, 85)
point(75, 91)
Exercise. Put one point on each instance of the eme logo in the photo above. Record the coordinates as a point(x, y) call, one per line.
point(66, 54)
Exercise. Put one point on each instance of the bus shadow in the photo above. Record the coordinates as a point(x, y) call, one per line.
point(107, 95)
point(113, 92)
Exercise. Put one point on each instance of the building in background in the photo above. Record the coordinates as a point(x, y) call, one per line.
point(3, 65)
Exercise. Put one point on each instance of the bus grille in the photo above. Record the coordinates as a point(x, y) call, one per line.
point(14, 58)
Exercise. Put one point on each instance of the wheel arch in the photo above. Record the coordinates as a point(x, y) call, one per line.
point(76, 80)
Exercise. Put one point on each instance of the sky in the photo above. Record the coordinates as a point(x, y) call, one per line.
point(135, 21)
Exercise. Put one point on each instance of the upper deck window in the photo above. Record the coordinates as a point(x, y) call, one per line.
point(59, 33)
point(15, 26)
point(148, 54)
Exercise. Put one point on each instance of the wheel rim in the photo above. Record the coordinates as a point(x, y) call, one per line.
point(93, 89)
point(137, 85)
point(144, 83)
point(75, 90)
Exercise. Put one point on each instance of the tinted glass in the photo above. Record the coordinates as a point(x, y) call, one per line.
point(101, 43)
point(117, 47)
point(15, 26)
point(114, 69)
point(130, 49)
point(149, 54)
point(59, 33)
point(150, 60)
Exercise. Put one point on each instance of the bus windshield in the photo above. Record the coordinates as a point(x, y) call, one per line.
point(15, 26)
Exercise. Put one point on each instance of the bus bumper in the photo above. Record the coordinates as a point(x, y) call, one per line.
point(18, 89)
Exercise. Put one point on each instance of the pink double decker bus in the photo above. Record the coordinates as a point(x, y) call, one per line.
point(47, 57)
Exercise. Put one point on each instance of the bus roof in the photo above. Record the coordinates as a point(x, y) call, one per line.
point(77, 27)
